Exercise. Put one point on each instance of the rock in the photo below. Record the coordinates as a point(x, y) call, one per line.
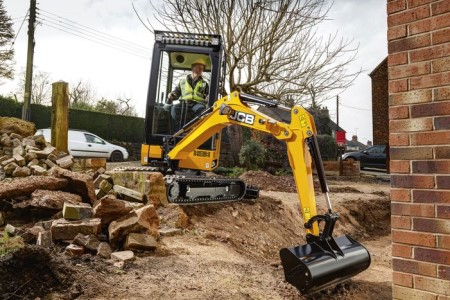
point(52, 157)
point(6, 141)
point(74, 250)
point(173, 216)
point(16, 143)
point(3, 158)
point(77, 211)
point(45, 152)
point(10, 168)
point(44, 239)
point(142, 220)
point(157, 194)
point(17, 126)
point(104, 250)
point(8, 161)
point(100, 178)
point(19, 150)
point(80, 184)
point(20, 160)
point(21, 172)
point(89, 242)
point(39, 141)
point(99, 171)
point(63, 229)
point(49, 163)
point(105, 186)
point(10, 229)
point(129, 194)
point(28, 142)
point(53, 199)
point(38, 170)
point(33, 233)
point(33, 162)
point(14, 136)
point(122, 256)
point(27, 185)
point(109, 208)
point(45, 224)
point(30, 156)
point(151, 184)
point(2, 219)
point(166, 232)
point(65, 162)
point(140, 241)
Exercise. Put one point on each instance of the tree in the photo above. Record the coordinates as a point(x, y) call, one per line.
point(41, 91)
point(6, 50)
point(82, 95)
point(273, 47)
point(119, 106)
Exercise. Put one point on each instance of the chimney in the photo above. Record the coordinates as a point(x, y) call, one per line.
point(354, 138)
point(369, 143)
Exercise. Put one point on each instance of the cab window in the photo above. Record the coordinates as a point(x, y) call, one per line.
point(93, 139)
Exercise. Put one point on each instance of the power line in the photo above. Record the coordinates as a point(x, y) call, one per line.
point(95, 41)
point(92, 36)
point(358, 108)
point(17, 34)
point(65, 20)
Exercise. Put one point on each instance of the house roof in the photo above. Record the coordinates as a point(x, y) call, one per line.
point(384, 61)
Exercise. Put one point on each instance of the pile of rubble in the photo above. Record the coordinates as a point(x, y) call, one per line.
point(85, 211)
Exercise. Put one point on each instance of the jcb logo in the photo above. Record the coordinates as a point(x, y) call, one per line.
point(201, 153)
point(242, 117)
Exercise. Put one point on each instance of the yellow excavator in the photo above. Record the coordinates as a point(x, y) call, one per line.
point(183, 153)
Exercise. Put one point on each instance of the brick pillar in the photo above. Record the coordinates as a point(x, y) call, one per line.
point(419, 137)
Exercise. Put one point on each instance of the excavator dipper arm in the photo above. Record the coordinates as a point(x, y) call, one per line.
point(323, 260)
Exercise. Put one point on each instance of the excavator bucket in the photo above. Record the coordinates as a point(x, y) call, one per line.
point(323, 262)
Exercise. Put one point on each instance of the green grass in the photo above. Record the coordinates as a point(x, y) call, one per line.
point(10, 244)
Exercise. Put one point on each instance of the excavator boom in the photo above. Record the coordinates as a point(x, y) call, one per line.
point(323, 260)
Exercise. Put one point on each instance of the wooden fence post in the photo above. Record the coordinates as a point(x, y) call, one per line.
point(60, 115)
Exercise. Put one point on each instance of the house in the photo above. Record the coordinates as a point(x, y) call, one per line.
point(380, 104)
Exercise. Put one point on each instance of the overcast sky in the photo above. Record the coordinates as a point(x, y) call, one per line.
point(124, 73)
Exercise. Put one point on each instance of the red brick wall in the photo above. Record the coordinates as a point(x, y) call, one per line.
point(419, 137)
point(380, 109)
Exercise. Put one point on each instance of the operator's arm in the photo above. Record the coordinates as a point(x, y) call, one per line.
point(175, 94)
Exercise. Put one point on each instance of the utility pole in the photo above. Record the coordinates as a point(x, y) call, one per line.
point(337, 113)
point(26, 111)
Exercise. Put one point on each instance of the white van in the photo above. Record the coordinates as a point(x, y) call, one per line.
point(86, 144)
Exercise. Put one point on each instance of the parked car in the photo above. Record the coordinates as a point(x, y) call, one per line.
point(85, 144)
point(374, 157)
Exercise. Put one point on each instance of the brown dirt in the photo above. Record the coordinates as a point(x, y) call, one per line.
point(230, 250)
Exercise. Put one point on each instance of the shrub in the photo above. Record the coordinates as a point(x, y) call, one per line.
point(328, 147)
point(252, 155)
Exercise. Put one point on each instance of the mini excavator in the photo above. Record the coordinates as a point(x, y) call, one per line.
point(183, 153)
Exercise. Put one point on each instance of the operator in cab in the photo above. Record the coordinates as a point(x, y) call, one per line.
point(192, 92)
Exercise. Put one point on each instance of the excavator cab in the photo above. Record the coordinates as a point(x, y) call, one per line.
point(173, 55)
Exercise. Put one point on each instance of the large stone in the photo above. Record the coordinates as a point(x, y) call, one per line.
point(44, 239)
point(173, 215)
point(166, 232)
point(100, 178)
point(10, 168)
point(39, 141)
point(30, 156)
point(53, 199)
point(77, 211)
point(20, 160)
point(18, 126)
point(33, 162)
point(105, 186)
point(89, 241)
point(80, 184)
point(6, 141)
point(74, 250)
point(109, 208)
point(104, 250)
point(21, 172)
point(142, 220)
point(5, 162)
point(38, 170)
point(3, 158)
point(151, 184)
point(129, 194)
point(122, 256)
point(65, 162)
point(63, 229)
point(140, 241)
point(27, 185)
point(44, 153)
point(19, 150)
point(28, 142)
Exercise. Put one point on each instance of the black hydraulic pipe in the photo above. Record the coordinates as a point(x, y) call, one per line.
point(315, 153)
point(259, 100)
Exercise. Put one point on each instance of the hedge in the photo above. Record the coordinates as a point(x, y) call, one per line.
point(110, 127)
